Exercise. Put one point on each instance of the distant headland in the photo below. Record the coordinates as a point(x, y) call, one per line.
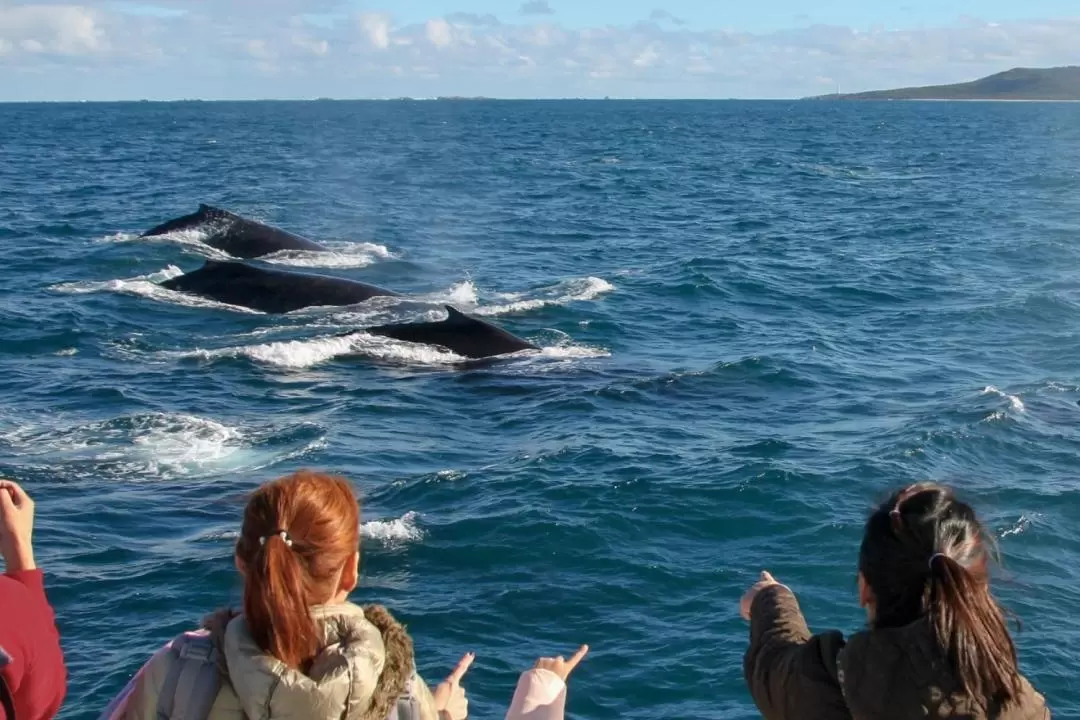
point(1059, 83)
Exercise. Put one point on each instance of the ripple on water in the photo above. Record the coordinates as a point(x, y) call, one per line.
point(756, 319)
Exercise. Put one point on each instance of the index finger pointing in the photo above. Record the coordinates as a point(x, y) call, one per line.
point(576, 658)
point(462, 668)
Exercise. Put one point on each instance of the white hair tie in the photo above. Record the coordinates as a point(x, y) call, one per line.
point(281, 533)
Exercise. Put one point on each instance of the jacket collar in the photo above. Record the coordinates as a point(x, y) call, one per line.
point(365, 661)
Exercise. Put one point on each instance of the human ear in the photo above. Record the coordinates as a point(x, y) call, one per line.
point(350, 574)
point(866, 595)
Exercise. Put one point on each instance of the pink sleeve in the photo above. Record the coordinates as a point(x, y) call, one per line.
point(540, 695)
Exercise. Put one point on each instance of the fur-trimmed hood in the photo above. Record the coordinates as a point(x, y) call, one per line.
point(366, 660)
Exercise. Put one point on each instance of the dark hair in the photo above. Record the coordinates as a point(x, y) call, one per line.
point(924, 553)
point(298, 533)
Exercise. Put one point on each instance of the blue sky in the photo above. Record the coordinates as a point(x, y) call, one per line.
point(242, 49)
point(758, 15)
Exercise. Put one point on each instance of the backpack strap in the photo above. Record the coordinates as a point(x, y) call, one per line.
point(407, 705)
point(193, 681)
point(6, 700)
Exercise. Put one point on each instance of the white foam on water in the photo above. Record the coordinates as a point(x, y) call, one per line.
point(92, 286)
point(466, 297)
point(299, 354)
point(147, 286)
point(231, 535)
point(194, 238)
point(303, 354)
point(459, 294)
point(563, 293)
point(1014, 400)
point(155, 444)
point(393, 532)
point(350, 255)
point(119, 237)
point(221, 535)
point(1061, 387)
point(1022, 524)
point(372, 311)
point(150, 446)
point(573, 351)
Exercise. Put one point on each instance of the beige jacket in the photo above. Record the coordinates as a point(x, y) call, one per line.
point(367, 658)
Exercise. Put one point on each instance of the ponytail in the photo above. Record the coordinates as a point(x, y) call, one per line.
point(275, 607)
point(924, 554)
point(971, 627)
point(298, 533)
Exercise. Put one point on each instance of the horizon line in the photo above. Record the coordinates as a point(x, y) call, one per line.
point(465, 99)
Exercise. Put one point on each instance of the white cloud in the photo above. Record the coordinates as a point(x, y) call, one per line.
point(69, 30)
point(222, 48)
point(376, 28)
point(439, 33)
point(648, 56)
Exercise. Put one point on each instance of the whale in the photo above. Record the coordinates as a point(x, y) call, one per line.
point(460, 333)
point(238, 236)
point(270, 290)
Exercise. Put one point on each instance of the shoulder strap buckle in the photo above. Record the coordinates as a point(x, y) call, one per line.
point(193, 680)
point(198, 647)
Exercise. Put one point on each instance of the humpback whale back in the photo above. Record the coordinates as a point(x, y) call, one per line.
point(271, 290)
point(459, 333)
point(205, 215)
point(236, 235)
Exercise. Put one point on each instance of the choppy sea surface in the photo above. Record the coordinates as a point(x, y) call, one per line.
point(756, 320)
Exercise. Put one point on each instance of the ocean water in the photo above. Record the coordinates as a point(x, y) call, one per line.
point(756, 320)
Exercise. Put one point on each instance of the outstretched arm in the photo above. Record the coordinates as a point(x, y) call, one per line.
point(789, 671)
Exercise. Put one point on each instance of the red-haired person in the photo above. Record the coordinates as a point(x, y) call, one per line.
point(300, 649)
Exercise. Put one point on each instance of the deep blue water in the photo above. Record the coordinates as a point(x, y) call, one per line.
point(758, 319)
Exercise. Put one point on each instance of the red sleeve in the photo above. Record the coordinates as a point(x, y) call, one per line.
point(36, 675)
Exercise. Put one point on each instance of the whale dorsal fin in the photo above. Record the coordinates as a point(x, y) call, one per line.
point(212, 212)
point(455, 315)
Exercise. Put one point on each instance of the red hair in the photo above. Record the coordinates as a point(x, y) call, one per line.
point(320, 516)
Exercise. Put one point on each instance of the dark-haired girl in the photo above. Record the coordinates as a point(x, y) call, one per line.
point(937, 645)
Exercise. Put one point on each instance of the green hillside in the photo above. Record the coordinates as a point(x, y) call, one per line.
point(1060, 83)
